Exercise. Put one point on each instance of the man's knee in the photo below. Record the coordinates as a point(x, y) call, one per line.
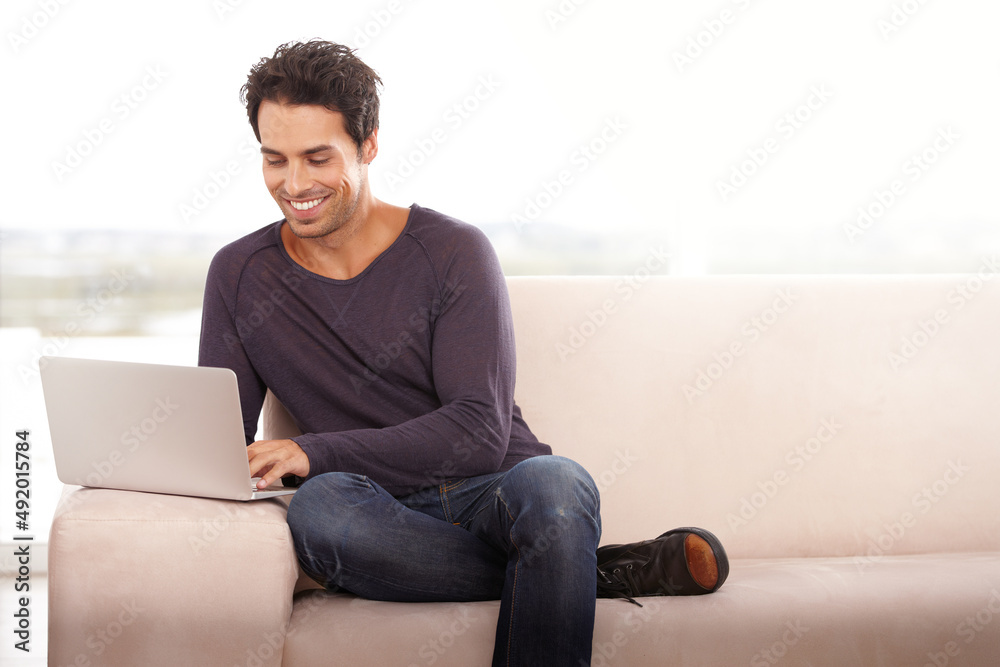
point(559, 511)
point(324, 496)
point(557, 476)
point(553, 488)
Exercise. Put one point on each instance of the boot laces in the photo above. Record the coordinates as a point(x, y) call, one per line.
point(619, 583)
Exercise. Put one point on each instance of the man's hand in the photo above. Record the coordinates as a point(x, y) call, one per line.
point(272, 459)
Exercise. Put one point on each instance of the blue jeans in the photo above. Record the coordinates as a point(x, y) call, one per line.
point(527, 537)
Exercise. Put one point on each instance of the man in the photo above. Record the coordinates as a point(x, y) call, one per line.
point(386, 332)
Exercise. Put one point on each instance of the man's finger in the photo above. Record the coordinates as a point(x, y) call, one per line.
point(258, 462)
point(270, 471)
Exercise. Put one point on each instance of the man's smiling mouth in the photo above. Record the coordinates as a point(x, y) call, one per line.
point(305, 205)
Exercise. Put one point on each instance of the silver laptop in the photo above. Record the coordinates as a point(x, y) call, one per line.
point(148, 427)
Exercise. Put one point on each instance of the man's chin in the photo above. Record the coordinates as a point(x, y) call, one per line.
point(308, 229)
point(304, 229)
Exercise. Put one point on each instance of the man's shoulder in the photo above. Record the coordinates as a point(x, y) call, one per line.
point(231, 260)
point(440, 232)
point(456, 251)
point(240, 250)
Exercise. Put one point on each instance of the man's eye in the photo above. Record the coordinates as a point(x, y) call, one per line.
point(273, 163)
point(319, 163)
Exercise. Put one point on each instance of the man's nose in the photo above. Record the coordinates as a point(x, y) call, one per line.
point(298, 180)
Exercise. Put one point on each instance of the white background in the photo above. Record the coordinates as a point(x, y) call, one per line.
point(896, 72)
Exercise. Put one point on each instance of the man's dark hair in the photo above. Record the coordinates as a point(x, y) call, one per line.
point(320, 73)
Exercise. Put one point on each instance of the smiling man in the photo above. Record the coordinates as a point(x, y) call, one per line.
point(386, 332)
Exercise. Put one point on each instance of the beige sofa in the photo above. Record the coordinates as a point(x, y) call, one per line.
point(841, 435)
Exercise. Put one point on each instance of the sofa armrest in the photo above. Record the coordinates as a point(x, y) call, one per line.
point(152, 579)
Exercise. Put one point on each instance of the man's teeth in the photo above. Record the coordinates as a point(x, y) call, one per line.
point(304, 205)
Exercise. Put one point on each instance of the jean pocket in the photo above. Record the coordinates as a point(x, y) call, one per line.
point(453, 484)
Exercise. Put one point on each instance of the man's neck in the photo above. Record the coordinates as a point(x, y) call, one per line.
point(349, 250)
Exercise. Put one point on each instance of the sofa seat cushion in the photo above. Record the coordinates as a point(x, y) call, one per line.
point(885, 610)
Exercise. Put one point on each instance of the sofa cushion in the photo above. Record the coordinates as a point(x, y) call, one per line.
point(836, 612)
point(790, 415)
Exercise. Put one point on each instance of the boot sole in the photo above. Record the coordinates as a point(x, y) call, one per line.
point(706, 559)
point(701, 562)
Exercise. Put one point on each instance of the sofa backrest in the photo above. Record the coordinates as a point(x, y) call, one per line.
point(791, 415)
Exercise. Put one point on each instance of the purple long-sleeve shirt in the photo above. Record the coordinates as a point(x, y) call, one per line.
point(404, 373)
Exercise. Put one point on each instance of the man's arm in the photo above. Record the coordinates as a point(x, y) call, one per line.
point(220, 345)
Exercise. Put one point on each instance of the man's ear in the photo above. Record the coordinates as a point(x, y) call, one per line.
point(369, 149)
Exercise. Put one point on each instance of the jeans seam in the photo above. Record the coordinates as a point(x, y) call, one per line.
point(513, 588)
point(445, 505)
point(443, 490)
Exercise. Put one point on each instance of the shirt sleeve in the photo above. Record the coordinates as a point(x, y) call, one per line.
point(220, 345)
point(473, 368)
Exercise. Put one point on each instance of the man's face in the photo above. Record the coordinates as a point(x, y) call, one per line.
point(311, 166)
